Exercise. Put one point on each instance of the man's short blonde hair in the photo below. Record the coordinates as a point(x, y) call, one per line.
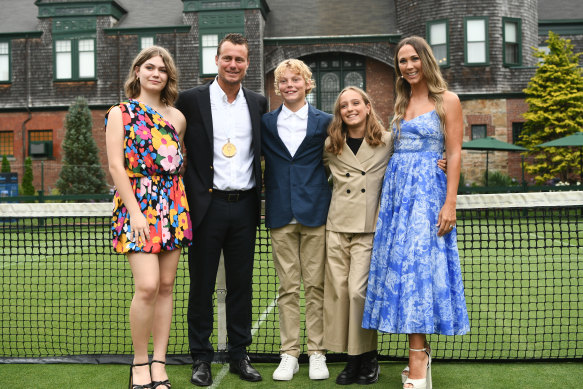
point(296, 66)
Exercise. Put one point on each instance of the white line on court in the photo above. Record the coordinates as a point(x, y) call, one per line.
point(254, 329)
point(560, 242)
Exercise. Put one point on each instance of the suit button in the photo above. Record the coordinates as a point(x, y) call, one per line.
point(347, 190)
point(211, 190)
point(363, 173)
point(347, 174)
point(363, 190)
point(212, 168)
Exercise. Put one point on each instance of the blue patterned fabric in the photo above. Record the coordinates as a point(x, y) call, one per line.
point(415, 283)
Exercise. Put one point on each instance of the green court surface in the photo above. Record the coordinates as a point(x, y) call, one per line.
point(464, 375)
point(64, 294)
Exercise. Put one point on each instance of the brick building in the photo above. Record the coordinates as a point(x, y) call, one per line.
point(54, 50)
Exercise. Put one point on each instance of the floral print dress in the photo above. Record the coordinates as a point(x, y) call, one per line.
point(153, 159)
point(415, 282)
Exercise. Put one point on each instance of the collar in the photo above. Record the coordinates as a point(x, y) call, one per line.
point(222, 95)
point(301, 113)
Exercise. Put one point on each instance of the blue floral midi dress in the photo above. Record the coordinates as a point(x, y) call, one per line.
point(415, 283)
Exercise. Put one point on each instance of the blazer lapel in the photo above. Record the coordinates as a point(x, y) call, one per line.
point(348, 157)
point(272, 128)
point(254, 113)
point(365, 153)
point(204, 103)
point(313, 120)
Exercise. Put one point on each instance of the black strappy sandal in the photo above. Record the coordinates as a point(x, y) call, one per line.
point(165, 383)
point(134, 386)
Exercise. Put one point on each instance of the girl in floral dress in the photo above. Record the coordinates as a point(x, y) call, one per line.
point(151, 222)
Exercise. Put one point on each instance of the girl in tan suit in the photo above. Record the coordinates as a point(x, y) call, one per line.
point(356, 152)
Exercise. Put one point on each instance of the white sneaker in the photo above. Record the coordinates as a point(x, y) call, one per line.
point(287, 368)
point(318, 369)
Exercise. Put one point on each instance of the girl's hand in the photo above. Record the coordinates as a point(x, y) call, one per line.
point(140, 230)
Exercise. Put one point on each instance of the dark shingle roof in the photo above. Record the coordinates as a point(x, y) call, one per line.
point(560, 10)
point(18, 16)
point(330, 18)
point(151, 13)
point(23, 14)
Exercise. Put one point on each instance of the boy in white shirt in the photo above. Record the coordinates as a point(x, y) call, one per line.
point(297, 197)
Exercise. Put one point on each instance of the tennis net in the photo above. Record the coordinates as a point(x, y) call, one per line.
point(64, 294)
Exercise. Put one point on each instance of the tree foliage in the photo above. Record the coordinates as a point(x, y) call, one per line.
point(27, 187)
point(5, 164)
point(81, 172)
point(555, 99)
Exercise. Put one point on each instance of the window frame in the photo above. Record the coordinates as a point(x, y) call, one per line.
point(9, 135)
point(518, 23)
point(318, 71)
point(9, 80)
point(486, 41)
point(142, 36)
point(75, 57)
point(47, 155)
point(202, 34)
point(476, 126)
point(428, 26)
point(517, 129)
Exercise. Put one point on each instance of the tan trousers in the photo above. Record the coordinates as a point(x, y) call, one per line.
point(299, 254)
point(348, 261)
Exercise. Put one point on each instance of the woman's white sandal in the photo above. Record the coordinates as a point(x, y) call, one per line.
point(421, 383)
point(405, 371)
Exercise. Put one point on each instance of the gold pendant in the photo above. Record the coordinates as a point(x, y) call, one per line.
point(229, 149)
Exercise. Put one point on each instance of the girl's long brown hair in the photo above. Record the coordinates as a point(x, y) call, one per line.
point(170, 92)
point(435, 82)
point(373, 133)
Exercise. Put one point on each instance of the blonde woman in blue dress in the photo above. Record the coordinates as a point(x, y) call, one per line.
point(415, 285)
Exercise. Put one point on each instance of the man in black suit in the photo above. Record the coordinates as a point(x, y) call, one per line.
point(223, 183)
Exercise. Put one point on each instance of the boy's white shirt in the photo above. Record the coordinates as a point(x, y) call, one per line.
point(292, 127)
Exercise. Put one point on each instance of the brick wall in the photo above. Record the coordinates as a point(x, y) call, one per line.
point(515, 108)
point(498, 115)
point(380, 81)
point(48, 120)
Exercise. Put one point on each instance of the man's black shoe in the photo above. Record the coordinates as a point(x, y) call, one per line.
point(369, 368)
point(201, 373)
point(350, 373)
point(244, 369)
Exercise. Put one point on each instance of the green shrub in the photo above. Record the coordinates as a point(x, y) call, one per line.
point(499, 179)
point(5, 164)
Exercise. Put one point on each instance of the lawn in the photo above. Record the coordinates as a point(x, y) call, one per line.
point(64, 294)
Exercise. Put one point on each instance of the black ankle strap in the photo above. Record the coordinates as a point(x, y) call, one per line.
point(140, 364)
point(155, 361)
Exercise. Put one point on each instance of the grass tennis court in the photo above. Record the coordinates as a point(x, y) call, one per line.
point(65, 297)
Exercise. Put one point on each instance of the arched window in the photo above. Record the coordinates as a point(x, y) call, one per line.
point(332, 73)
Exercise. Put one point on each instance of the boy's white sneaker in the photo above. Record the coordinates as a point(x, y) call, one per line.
point(318, 368)
point(287, 368)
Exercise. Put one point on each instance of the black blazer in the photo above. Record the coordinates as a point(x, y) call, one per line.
point(195, 104)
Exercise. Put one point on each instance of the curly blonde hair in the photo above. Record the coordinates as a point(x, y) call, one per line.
point(296, 66)
point(132, 84)
point(435, 82)
point(373, 133)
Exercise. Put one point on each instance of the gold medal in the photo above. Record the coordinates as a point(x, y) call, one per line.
point(229, 149)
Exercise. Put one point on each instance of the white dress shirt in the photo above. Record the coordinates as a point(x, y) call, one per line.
point(231, 122)
point(292, 127)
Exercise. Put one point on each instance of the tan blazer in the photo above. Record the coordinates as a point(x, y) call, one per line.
point(357, 181)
